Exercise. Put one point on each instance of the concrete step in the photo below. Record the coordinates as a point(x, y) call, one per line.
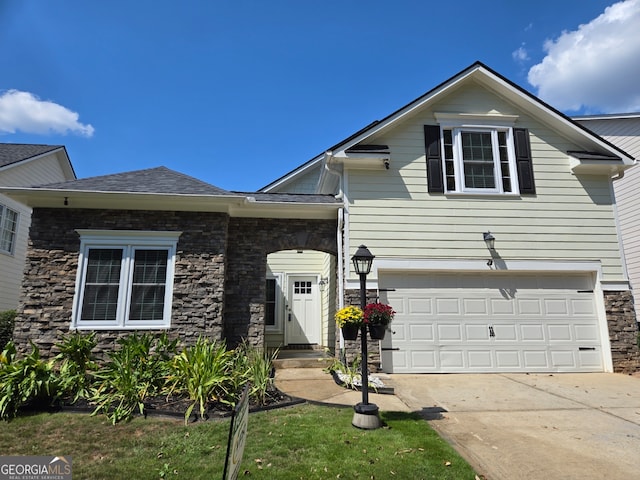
point(302, 360)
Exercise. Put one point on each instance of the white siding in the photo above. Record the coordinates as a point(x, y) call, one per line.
point(625, 133)
point(37, 172)
point(570, 218)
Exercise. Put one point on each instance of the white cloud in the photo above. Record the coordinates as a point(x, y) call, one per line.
point(25, 112)
point(520, 55)
point(595, 68)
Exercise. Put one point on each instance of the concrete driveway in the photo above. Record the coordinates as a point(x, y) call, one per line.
point(536, 426)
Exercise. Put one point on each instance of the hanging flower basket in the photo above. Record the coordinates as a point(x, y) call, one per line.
point(350, 331)
point(378, 316)
point(377, 332)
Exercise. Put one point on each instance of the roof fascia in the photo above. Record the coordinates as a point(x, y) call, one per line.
point(502, 85)
point(233, 205)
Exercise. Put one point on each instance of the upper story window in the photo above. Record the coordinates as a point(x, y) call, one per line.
point(480, 154)
point(478, 160)
point(8, 229)
point(124, 280)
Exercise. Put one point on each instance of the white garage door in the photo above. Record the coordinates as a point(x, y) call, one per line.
point(490, 323)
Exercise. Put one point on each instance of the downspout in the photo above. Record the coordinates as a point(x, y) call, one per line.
point(339, 233)
point(612, 191)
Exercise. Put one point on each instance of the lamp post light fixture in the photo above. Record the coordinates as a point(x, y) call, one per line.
point(366, 414)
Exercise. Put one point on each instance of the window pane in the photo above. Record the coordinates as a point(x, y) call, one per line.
point(8, 227)
point(100, 301)
point(148, 288)
point(270, 304)
point(477, 157)
point(504, 161)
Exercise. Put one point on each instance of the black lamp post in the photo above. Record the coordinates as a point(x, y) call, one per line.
point(366, 414)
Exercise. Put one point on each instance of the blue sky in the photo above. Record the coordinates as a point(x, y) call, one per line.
point(238, 93)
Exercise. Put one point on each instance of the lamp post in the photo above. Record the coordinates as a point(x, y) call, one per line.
point(366, 414)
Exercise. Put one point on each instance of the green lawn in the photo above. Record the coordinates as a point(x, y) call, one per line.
point(301, 442)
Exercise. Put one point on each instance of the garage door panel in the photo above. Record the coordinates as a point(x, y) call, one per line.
point(508, 359)
point(539, 323)
point(531, 307)
point(505, 333)
point(532, 333)
point(563, 359)
point(421, 332)
point(480, 359)
point(583, 307)
point(476, 332)
point(452, 359)
point(586, 333)
point(559, 333)
point(447, 306)
point(474, 306)
point(502, 306)
point(449, 332)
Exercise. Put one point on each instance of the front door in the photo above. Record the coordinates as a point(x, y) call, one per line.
point(303, 318)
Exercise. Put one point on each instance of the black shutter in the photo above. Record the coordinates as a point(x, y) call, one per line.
point(435, 182)
point(524, 163)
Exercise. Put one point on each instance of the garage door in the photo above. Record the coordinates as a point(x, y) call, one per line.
point(500, 322)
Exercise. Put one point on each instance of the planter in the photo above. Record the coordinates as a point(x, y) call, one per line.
point(350, 332)
point(377, 332)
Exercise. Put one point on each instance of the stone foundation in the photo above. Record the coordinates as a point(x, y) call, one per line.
point(623, 331)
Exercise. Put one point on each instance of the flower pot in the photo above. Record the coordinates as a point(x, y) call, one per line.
point(376, 332)
point(350, 332)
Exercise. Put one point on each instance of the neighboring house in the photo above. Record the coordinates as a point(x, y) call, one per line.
point(623, 130)
point(157, 250)
point(23, 165)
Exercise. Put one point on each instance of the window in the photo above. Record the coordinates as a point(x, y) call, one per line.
point(125, 280)
point(8, 229)
point(478, 160)
point(270, 303)
point(468, 153)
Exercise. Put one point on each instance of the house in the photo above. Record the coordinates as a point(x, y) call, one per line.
point(23, 165)
point(623, 130)
point(422, 188)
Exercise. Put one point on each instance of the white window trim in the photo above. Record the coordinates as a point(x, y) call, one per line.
point(277, 327)
point(497, 172)
point(462, 122)
point(3, 210)
point(129, 241)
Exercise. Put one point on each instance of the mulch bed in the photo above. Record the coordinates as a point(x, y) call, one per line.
point(176, 407)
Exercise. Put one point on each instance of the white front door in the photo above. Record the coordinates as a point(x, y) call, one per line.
point(303, 316)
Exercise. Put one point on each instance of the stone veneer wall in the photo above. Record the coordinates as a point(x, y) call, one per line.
point(353, 348)
point(52, 261)
point(623, 331)
point(250, 241)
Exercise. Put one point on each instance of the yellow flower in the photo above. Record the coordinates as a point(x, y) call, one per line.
point(351, 315)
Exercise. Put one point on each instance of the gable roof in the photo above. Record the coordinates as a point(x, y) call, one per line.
point(151, 180)
point(490, 79)
point(11, 153)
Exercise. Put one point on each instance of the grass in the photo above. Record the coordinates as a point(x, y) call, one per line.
point(302, 442)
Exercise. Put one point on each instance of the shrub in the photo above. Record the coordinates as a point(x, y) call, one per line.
point(77, 364)
point(7, 322)
point(29, 380)
point(202, 371)
point(254, 365)
point(134, 372)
